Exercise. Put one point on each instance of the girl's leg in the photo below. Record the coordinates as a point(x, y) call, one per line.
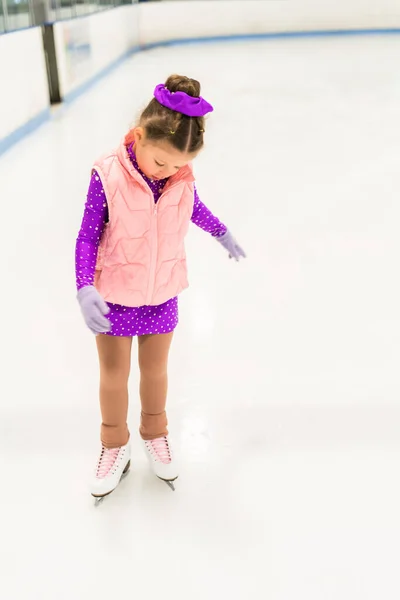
point(153, 363)
point(115, 365)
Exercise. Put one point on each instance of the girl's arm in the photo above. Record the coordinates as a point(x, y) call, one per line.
point(87, 244)
point(203, 218)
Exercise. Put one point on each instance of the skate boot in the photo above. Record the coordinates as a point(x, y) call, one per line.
point(161, 461)
point(112, 465)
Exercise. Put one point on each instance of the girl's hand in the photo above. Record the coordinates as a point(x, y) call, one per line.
point(94, 310)
point(230, 244)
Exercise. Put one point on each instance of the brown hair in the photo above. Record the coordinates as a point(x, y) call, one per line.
point(186, 134)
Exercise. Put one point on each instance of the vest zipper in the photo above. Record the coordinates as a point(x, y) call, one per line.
point(154, 246)
point(153, 256)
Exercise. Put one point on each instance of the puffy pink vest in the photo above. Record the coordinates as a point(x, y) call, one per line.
point(142, 259)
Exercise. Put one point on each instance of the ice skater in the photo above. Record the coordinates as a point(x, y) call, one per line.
point(131, 267)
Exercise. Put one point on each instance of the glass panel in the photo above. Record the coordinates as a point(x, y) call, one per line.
point(91, 6)
point(2, 23)
point(81, 8)
point(103, 4)
point(65, 10)
point(53, 8)
point(18, 15)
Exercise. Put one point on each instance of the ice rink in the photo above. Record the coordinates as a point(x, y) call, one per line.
point(284, 387)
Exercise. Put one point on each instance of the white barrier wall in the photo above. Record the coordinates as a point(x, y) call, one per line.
point(23, 81)
point(87, 46)
point(169, 20)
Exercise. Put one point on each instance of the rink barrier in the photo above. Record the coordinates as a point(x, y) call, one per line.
point(90, 47)
point(82, 89)
point(35, 122)
point(24, 89)
point(246, 37)
point(85, 87)
point(26, 129)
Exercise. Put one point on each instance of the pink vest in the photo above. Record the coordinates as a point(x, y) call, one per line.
point(141, 259)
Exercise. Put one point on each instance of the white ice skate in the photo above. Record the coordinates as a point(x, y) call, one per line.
point(112, 465)
point(161, 460)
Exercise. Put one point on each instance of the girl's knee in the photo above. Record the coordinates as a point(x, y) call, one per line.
point(153, 370)
point(114, 372)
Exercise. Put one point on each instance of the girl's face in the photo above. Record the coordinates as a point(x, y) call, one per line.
point(158, 160)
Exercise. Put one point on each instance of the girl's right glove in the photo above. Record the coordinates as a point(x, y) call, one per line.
point(94, 309)
point(230, 244)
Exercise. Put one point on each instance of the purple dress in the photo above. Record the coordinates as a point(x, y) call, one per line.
point(128, 321)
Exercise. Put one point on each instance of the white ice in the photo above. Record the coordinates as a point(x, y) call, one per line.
point(284, 388)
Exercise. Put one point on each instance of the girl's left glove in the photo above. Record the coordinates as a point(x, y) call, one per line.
point(230, 244)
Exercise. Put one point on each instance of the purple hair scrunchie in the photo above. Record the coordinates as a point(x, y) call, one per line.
point(182, 102)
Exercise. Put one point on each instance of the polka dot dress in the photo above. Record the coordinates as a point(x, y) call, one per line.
point(130, 321)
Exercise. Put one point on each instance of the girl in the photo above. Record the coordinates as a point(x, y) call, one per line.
point(131, 266)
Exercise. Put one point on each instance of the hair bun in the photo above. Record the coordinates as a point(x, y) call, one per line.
point(180, 83)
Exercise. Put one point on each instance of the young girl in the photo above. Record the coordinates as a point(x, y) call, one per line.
point(131, 266)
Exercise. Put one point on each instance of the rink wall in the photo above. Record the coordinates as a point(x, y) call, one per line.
point(163, 22)
point(24, 95)
point(87, 48)
point(93, 45)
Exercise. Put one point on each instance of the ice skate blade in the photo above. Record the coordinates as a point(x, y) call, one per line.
point(170, 482)
point(99, 499)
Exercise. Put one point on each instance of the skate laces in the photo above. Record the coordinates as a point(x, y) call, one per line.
point(160, 450)
point(106, 462)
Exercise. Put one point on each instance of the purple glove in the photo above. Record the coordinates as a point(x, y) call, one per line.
point(230, 244)
point(94, 309)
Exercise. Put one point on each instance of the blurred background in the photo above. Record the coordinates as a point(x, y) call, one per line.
point(54, 48)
